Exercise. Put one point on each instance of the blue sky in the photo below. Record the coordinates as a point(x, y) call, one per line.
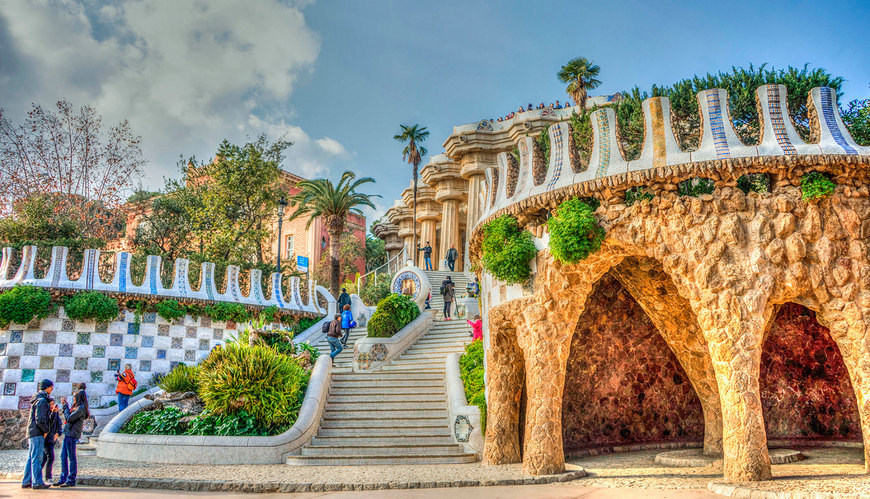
point(338, 77)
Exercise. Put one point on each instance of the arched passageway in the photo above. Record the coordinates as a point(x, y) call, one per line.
point(623, 383)
point(805, 388)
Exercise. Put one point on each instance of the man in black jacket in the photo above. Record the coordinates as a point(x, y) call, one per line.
point(427, 255)
point(37, 430)
point(452, 255)
point(343, 299)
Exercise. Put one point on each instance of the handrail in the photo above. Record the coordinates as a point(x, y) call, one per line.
point(392, 265)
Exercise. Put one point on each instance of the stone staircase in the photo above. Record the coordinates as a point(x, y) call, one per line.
point(395, 415)
point(435, 279)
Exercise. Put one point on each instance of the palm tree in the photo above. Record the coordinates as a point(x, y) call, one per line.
point(580, 75)
point(413, 154)
point(319, 198)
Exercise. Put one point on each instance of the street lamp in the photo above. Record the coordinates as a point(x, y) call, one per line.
point(281, 205)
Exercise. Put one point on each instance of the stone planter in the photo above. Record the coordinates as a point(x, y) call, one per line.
point(370, 354)
point(464, 419)
point(197, 449)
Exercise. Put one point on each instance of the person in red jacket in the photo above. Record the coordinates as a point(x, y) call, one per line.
point(126, 385)
point(476, 328)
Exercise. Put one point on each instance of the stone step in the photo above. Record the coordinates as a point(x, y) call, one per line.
point(378, 376)
point(382, 450)
point(385, 405)
point(380, 440)
point(427, 365)
point(382, 384)
point(435, 430)
point(386, 414)
point(423, 353)
point(387, 397)
point(398, 391)
point(357, 460)
point(380, 423)
point(432, 368)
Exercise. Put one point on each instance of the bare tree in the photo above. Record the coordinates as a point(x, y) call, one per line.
point(66, 155)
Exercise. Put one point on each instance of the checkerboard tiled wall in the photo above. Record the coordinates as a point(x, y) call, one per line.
point(68, 352)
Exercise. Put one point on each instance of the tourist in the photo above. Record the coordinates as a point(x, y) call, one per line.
point(347, 323)
point(37, 430)
point(541, 106)
point(473, 288)
point(54, 426)
point(447, 291)
point(343, 299)
point(333, 337)
point(529, 107)
point(568, 104)
point(72, 431)
point(452, 255)
point(558, 106)
point(476, 328)
point(427, 254)
point(126, 385)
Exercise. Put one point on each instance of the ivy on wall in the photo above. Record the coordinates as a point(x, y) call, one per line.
point(507, 249)
point(574, 232)
point(815, 186)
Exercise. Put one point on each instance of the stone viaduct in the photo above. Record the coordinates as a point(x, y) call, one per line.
point(710, 272)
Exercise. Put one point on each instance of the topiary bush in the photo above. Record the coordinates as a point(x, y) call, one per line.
point(574, 232)
point(91, 305)
point(472, 373)
point(815, 186)
point(227, 312)
point(507, 249)
point(392, 314)
point(171, 309)
point(180, 379)
point(375, 292)
point(22, 304)
point(637, 193)
point(255, 379)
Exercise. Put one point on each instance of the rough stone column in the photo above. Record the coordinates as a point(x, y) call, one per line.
point(504, 383)
point(474, 165)
point(850, 328)
point(427, 215)
point(734, 328)
point(676, 322)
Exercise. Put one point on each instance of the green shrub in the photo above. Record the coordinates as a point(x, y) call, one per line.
point(472, 373)
point(91, 305)
point(180, 379)
point(171, 309)
point(268, 386)
point(581, 129)
point(280, 340)
point(695, 187)
point(507, 250)
point(754, 182)
point(161, 422)
point(22, 304)
point(393, 313)
point(543, 141)
point(240, 424)
point(269, 314)
point(815, 186)
point(637, 193)
point(195, 310)
point(224, 311)
point(375, 292)
point(574, 232)
point(306, 347)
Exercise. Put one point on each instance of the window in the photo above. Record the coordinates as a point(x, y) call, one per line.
point(288, 247)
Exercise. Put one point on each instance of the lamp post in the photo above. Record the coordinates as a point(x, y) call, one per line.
point(281, 205)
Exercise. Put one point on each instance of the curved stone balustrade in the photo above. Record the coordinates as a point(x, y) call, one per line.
point(719, 143)
point(122, 282)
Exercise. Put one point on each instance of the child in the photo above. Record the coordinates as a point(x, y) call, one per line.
point(72, 432)
point(54, 426)
point(476, 328)
point(347, 323)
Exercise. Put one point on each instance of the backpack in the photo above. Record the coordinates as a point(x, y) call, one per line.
point(325, 327)
point(131, 384)
point(443, 288)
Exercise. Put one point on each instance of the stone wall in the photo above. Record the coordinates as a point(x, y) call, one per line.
point(805, 389)
point(13, 425)
point(623, 383)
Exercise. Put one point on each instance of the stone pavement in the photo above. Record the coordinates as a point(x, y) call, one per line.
point(828, 472)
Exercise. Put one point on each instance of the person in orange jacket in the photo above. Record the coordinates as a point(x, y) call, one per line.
point(126, 385)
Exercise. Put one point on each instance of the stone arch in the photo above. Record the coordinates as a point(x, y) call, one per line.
point(624, 385)
point(806, 391)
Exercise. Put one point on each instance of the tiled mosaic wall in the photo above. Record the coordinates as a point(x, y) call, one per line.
point(67, 352)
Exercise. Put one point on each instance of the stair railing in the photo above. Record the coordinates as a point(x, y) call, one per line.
point(385, 271)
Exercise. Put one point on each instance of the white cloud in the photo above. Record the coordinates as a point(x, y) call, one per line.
point(186, 74)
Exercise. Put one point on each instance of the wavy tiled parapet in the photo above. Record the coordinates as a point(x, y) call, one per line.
point(151, 284)
point(661, 149)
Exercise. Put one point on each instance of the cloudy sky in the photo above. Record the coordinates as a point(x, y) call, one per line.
point(338, 77)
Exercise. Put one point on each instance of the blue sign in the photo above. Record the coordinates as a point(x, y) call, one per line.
point(302, 263)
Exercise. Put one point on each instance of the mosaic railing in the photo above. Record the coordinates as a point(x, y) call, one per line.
point(152, 285)
point(719, 141)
